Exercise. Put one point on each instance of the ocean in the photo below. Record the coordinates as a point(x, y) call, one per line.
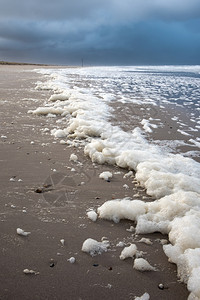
point(144, 119)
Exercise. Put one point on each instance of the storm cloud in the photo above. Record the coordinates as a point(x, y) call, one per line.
point(101, 32)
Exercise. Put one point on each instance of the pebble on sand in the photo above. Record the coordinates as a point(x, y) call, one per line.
point(30, 272)
point(22, 232)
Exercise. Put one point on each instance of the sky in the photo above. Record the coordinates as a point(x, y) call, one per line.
point(100, 32)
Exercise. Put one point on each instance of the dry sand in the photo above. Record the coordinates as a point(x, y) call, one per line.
point(59, 212)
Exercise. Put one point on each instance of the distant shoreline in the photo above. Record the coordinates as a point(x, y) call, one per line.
point(7, 64)
point(21, 63)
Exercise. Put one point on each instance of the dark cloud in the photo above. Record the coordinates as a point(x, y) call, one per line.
point(114, 10)
point(103, 32)
point(50, 10)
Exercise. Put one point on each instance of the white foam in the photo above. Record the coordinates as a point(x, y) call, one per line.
point(60, 97)
point(47, 110)
point(126, 186)
point(92, 215)
point(120, 244)
point(129, 174)
point(145, 296)
point(129, 251)
point(63, 142)
point(143, 265)
point(72, 260)
point(73, 157)
point(195, 142)
point(147, 125)
point(93, 247)
point(177, 215)
point(182, 132)
point(146, 241)
point(59, 133)
point(170, 178)
point(105, 175)
point(116, 210)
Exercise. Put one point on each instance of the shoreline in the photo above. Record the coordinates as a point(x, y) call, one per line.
point(21, 64)
point(59, 212)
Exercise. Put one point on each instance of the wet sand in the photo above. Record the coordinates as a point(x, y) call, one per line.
point(129, 116)
point(40, 194)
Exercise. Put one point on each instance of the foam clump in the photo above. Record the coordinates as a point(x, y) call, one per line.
point(145, 296)
point(72, 260)
point(146, 241)
point(146, 125)
point(73, 157)
point(126, 186)
point(120, 244)
point(47, 110)
point(190, 262)
point(131, 229)
point(143, 265)
point(116, 210)
point(105, 175)
point(129, 174)
point(22, 232)
point(60, 97)
point(94, 247)
point(45, 130)
point(92, 215)
point(129, 251)
point(59, 133)
point(167, 176)
point(63, 142)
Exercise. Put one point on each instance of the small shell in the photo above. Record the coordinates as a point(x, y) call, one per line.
point(62, 241)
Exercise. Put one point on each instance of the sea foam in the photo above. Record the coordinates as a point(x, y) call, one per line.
point(173, 180)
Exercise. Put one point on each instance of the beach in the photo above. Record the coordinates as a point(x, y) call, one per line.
point(45, 191)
